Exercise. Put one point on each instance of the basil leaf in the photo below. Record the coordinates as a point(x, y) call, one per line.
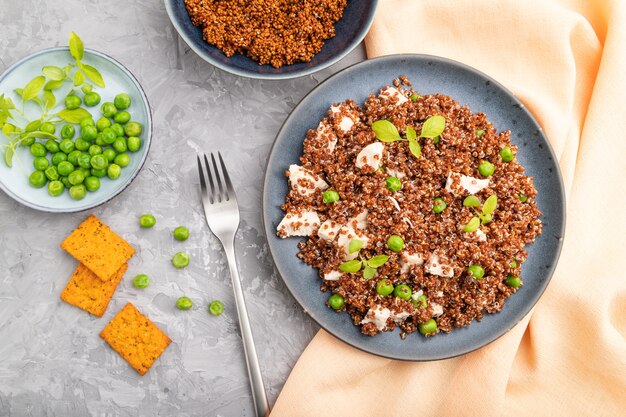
point(490, 204)
point(472, 225)
point(52, 85)
point(86, 88)
point(385, 131)
point(351, 266)
point(77, 50)
point(378, 260)
point(8, 129)
point(369, 272)
point(6, 105)
point(433, 126)
point(471, 201)
point(32, 126)
point(415, 148)
point(74, 116)
point(94, 75)
point(410, 133)
point(49, 100)
point(33, 88)
point(38, 134)
point(79, 78)
point(485, 218)
point(53, 73)
point(19, 91)
point(479, 133)
point(355, 245)
point(8, 154)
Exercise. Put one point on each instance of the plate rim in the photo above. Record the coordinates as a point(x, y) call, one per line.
point(148, 141)
point(280, 76)
point(550, 271)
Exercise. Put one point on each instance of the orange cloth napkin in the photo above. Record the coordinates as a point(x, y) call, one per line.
point(566, 60)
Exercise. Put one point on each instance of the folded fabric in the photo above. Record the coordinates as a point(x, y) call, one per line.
point(565, 60)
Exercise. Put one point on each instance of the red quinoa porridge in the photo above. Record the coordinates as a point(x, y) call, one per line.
point(276, 32)
point(448, 263)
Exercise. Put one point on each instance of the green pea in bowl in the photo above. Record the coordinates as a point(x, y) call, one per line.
point(123, 148)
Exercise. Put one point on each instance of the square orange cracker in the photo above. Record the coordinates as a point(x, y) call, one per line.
point(97, 247)
point(139, 341)
point(85, 290)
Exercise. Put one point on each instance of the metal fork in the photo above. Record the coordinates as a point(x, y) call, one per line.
point(222, 216)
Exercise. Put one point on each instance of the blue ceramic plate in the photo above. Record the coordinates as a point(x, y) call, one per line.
point(429, 74)
point(14, 181)
point(349, 32)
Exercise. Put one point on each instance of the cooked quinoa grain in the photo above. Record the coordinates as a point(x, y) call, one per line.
point(343, 154)
point(276, 32)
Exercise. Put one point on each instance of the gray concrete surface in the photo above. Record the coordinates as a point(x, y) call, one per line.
point(52, 362)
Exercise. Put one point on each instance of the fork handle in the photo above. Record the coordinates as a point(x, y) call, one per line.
point(259, 397)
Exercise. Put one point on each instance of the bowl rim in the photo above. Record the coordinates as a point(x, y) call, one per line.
point(550, 272)
point(148, 141)
point(280, 76)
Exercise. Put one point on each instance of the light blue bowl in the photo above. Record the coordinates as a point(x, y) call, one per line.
point(14, 181)
point(349, 32)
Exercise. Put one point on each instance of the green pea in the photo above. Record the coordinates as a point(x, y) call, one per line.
point(117, 129)
point(133, 129)
point(513, 264)
point(33, 126)
point(72, 102)
point(52, 146)
point(477, 271)
point(427, 328)
point(184, 303)
point(336, 301)
point(81, 144)
point(523, 198)
point(99, 141)
point(66, 146)
point(87, 121)
point(78, 192)
point(86, 88)
point(120, 145)
point(133, 143)
point(98, 173)
point(393, 184)
point(89, 133)
point(84, 160)
point(58, 157)
point(507, 154)
point(513, 281)
point(98, 161)
point(439, 205)
point(37, 179)
point(65, 182)
point(395, 243)
point(330, 196)
point(216, 307)
point(480, 133)
point(147, 220)
point(121, 117)
point(40, 163)
point(436, 139)
point(181, 233)
point(141, 281)
point(122, 160)
point(72, 157)
point(402, 291)
point(384, 287)
point(64, 168)
point(114, 171)
point(86, 172)
point(108, 109)
point(180, 260)
point(103, 123)
point(52, 173)
point(48, 128)
point(76, 177)
point(420, 301)
point(108, 136)
point(122, 101)
point(55, 188)
point(27, 142)
point(414, 97)
point(94, 150)
point(486, 168)
point(37, 149)
point(92, 99)
point(109, 154)
point(92, 183)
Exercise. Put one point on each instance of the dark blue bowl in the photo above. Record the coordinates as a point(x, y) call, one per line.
point(349, 32)
point(429, 75)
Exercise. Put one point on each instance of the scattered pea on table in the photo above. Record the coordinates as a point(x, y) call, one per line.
point(147, 220)
point(141, 281)
point(180, 260)
point(216, 307)
point(184, 303)
point(181, 233)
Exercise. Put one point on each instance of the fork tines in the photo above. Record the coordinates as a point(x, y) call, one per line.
point(218, 190)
